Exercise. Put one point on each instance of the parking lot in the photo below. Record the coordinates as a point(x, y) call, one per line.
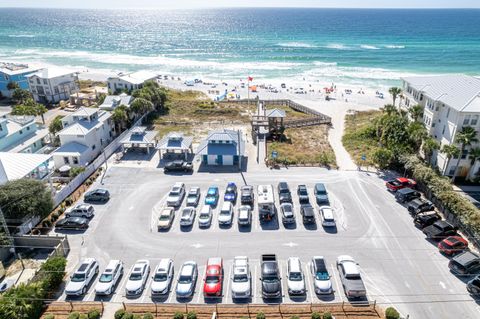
point(397, 264)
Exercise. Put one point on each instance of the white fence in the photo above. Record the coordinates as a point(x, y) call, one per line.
point(90, 169)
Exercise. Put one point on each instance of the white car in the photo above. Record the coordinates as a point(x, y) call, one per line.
point(176, 195)
point(188, 216)
point(295, 277)
point(187, 280)
point(244, 215)
point(137, 278)
point(82, 277)
point(226, 214)
point(81, 210)
point(321, 278)
point(241, 278)
point(326, 214)
point(109, 278)
point(162, 277)
point(205, 216)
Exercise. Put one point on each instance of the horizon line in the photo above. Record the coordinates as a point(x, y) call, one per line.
point(244, 7)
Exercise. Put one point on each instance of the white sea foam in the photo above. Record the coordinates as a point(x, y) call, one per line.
point(21, 36)
point(296, 45)
point(337, 46)
point(320, 63)
point(369, 47)
point(395, 46)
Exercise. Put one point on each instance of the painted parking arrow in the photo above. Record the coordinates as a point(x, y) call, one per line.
point(290, 244)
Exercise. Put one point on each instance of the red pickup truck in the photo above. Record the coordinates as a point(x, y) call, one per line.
point(399, 183)
point(213, 278)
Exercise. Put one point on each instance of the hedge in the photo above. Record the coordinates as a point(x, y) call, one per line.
point(441, 188)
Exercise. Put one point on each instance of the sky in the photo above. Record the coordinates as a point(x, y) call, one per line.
point(242, 3)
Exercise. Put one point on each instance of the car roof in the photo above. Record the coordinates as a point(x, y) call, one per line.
point(283, 185)
point(466, 257)
point(247, 187)
point(187, 268)
point(167, 210)
point(194, 188)
point(327, 212)
point(206, 209)
point(319, 186)
point(85, 263)
point(112, 264)
point(226, 205)
point(350, 267)
point(294, 263)
point(402, 179)
point(320, 263)
point(163, 265)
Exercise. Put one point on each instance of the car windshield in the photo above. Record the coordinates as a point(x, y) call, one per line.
point(230, 190)
point(78, 277)
point(270, 279)
point(302, 191)
point(211, 279)
point(175, 192)
point(284, 191)
point(204, 216)
point(295, 276)
point(395, 183)
point(287, 209)
point(184, 280)
point(160, 277)
point(212, 192)
point(186, 214)
point(240, 278)
point(135, 276)
point(321, 275)
point(225, 212)
point(164, 217)
point(106, 278)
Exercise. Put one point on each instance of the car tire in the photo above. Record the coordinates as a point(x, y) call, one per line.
point(84, 290)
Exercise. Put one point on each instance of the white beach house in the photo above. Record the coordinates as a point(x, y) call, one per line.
point(84, 135)
point(21, 134)
point(450, 102)
point(129, 81)
point(52, 85)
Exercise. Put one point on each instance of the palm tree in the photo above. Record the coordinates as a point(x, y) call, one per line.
point(473, 155)
point(12, 86)
point(40, 110)
point(141, 106)
point(429, 145)
point(416, 112)
point(119, 117)
point(417, 133)
point(394, 91)
point(465, 138)
point(450, 151)
point(389, 109)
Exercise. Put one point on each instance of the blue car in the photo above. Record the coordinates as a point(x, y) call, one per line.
point(212, 196)
point(230, 193)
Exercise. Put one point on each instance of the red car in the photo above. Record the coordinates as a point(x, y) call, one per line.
point(399, 183)
point(452, 245)
point(213, 278)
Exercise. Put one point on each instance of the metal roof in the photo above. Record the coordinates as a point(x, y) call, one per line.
point(136, 77)
point(19, 165)
point(175, 141)
point(51, 73)
point(113, 101)
point(74, 148)
point(461, 92)
point(134, 136)
point(276, 113)
point(231, 148)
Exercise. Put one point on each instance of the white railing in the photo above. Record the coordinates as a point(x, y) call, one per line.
point(90, 169)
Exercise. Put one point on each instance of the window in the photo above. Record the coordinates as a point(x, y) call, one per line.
point(34, 144)
point(443, 131)
point(45, 81)
point(93, 146)
point(452, 171)
point(464, 154)
point(433, 125)
point(75, 160)
point(66, 160)
point(466, 120)
point(38, 81)
point(21, 132)
point(448, 112)
point(474, 120)
point(56, 90)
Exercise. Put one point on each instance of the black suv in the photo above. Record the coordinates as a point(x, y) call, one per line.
point(284, 194)
point(467, 263)
point(247, 196)
point(406, 194)
point(302, 193)
point(424, 220)
point(308, 214)
point(178, 166)
point(97, 195)
point(419, 205)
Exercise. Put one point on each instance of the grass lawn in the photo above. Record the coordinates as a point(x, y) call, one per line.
point(290, 113)
point(357, 138)
point(304, 145)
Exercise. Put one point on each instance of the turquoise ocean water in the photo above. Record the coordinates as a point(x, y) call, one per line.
point(352, 46)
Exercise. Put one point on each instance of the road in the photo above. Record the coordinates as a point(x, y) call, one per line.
point(398, 265)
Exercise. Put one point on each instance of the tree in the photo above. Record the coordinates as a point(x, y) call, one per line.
point(382, 157)
point(22, 301)
point(450, 151)
point(30, 107)
point(52, 273)
point(389, 109)
point(20, 95)
point(40, 110)
point(120, 117)
point(417, 133)
point(12, 86)
point(473, 155)
point(395, 92)
point(25, 198)
point(465, 138)
point(101, 98)
point(55, 125)
point(429, 145)
point(416, 112)
point(152, 92)
point(141, 106)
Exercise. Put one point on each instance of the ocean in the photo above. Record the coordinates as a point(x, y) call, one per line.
point(367, 47)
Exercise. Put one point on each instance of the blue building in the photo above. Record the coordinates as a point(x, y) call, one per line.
point(223, 148)
point(10, 72)
point(21, 134)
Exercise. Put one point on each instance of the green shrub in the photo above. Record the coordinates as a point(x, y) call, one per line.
point(294, 317)
point(316, 315)
point(52, 272)
point(49, 316)
point(148, 316)
point(69, 201)
point(127, 315)
point(46, 223)
point(94, 314)
point(83, 316)
point(36, 231)
point(178, 315)
point(192, 315)
point(260, 315)
point(74, 315)
point(327, 315)
point(119, 314)
point(137, 316)
point(391, 313)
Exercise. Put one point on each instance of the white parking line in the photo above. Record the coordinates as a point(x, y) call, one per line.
point(92, 291)
point(122, 285)
point(228, 279)
point(337, 283)
point(254, 279)
point(200, 282)
point(284, 292)
point(308, 285)
point(146, 291)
